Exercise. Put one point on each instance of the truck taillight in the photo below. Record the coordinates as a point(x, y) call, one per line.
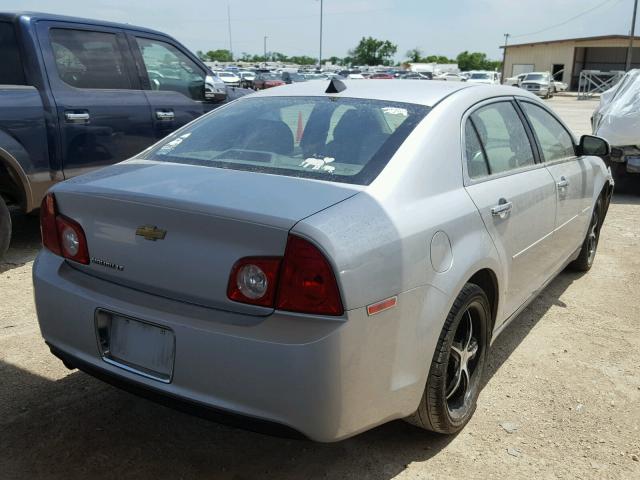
point(61, 235)
point(302, 281)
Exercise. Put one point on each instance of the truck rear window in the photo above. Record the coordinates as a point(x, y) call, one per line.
point(11, 72)
point(336, 139)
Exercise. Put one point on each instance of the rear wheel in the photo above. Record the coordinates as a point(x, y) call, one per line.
point(5, 227)
point(587, 255)
point(453, 385)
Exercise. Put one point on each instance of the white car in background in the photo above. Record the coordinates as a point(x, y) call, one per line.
point(450, 77)
point(485, 77)
point(515, 81)
point(229, 78)
point(247, 78)
point(539, 83)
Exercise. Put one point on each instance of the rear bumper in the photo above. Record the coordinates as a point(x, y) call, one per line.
point(325, 378)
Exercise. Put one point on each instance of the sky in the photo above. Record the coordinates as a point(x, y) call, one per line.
point(444, 27)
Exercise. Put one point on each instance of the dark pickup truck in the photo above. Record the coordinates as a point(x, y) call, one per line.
point(77, 94)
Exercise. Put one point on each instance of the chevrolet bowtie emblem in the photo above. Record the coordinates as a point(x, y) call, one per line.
point(151, 232)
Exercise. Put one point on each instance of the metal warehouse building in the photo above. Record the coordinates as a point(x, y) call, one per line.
point(605, 53)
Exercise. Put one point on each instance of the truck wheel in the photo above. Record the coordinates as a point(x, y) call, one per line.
point(5, 228)
point(455, 377)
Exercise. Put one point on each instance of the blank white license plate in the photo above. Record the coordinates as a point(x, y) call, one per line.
point(137, 346)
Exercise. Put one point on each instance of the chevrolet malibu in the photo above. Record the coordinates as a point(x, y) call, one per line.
point(321, 258)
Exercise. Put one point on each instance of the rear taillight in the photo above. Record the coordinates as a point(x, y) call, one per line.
point(307, 283)
point(302, 281)
point(60, 234)
point(254, 280)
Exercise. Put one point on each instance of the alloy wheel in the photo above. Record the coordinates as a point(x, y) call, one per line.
point(462, 370)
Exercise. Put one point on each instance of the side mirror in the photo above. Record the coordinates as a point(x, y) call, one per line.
point(214, 89)
point(591, 145)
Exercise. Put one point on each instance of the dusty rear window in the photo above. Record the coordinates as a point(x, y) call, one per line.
point(336, 139)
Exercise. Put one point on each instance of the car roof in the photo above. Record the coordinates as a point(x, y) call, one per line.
point(40, 16)
point(410, 91)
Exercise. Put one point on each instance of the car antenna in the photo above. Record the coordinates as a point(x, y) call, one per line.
point(335, 86)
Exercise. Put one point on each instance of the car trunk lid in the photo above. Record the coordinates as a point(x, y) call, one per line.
point(176, 230)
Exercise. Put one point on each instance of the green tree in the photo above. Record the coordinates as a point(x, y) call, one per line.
point(476, 61)
point(414, 55)
point(371, 51)
point(219, 56)
point(438, 59)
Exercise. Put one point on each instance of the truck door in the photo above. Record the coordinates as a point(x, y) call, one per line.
point(172, 80)
point(103, 115)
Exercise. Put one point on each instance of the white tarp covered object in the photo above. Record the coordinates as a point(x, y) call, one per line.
point(617, 119)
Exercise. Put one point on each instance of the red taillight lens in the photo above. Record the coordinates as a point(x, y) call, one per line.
point(254, 280)
point(307, 283)
point(48, 227)
point(302, 281)
point(62, 235)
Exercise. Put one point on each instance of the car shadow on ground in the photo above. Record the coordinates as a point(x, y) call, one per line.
point(79, 427)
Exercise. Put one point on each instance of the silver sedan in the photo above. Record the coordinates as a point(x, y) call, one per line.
point(324, 258)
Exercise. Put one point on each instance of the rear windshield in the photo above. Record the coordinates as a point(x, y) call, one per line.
point(336, 139)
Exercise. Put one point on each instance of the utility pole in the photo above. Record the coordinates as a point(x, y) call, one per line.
point(320, 55)
point(504, 54)
point(633, 32)
point(265, 50)
point(229, 22)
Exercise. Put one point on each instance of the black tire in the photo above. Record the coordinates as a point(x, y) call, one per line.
point(447, 403)
point(584, 262)
point(5, 228)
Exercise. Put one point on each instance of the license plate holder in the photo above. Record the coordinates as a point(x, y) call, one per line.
point(136, 345)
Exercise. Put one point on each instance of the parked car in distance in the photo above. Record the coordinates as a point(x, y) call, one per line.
point(316, 76)
point(484, 77)
point(356, 76)
point(267, 80)
point(381, 76)
point(417, 76)
point(516, 80)
point(229, 78)
point(246, 78)
point(538, 83)
point(78, 94)
point(292, 77)
point(284, 273)
point(450, 77)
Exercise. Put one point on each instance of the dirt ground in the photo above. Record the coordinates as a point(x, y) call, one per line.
point(562, 394)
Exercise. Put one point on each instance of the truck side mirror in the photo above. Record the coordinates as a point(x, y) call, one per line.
point(592, 145)
point(214, 89)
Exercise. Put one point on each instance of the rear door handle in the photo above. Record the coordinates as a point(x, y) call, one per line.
point(165, 115)
point(563, 183)
point(77, 117)
point(502, 209)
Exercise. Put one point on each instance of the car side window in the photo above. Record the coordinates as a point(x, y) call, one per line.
point(477, 164)
point(502, 134)
point(86, 59)
point(556, 143)
point(170, 69)
point(11, 72)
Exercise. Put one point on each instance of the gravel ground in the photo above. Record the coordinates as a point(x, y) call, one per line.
point(562, 394)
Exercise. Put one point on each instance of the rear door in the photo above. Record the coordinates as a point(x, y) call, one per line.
point(514, 194)
point(103, 115)
point(172, 80)
point(572, 175)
